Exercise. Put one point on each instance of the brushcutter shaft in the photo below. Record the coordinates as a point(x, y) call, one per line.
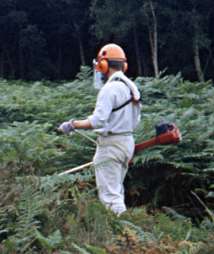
point(85, 136)
point(145, 144)
point(72, 170)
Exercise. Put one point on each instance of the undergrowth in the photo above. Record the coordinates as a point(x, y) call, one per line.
point(64, 217)
point(169, 189)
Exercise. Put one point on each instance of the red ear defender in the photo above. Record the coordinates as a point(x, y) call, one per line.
point(125, 66)
point(103, 66)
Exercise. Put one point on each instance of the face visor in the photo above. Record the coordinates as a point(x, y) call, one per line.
point(99, 77)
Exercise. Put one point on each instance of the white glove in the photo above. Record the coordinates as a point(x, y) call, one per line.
point(66, 127)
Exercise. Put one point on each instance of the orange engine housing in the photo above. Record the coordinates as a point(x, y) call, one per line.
point(172, 136)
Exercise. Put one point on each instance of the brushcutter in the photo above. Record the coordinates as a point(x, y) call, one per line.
point(166, 133)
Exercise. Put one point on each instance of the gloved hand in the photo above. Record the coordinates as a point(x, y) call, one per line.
point(66, 127)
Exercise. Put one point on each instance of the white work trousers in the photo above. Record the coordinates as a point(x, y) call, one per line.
point(111, 163)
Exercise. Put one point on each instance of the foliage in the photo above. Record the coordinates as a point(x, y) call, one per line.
point(26, 147)
point(41, 212)
point(30, 114)
point(51, 39)
point(65, 218)
point(187, 166)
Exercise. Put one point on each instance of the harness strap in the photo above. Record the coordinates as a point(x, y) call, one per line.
point(126, 102)
point(123, 105)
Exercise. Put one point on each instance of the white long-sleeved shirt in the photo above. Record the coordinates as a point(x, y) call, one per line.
point(112, 95)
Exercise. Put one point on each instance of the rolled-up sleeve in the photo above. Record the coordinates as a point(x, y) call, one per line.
point(103, 109)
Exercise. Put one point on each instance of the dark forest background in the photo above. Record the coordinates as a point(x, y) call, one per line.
point(51, 39)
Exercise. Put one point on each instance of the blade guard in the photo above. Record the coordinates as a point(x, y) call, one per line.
point(166, 134)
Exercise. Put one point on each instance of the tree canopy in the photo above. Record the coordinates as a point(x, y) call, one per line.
point(51, 39)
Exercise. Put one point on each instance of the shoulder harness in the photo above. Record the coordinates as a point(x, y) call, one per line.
point(126, 102)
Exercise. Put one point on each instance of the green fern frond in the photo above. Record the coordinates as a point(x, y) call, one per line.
point(136, 228)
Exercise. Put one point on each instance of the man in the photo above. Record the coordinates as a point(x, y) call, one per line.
point(115, 117)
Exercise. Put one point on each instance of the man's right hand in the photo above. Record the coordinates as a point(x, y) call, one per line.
point(66, 127)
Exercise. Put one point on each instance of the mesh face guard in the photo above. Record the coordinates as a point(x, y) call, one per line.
point(99, 78)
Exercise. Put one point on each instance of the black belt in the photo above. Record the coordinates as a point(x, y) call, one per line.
point(127, 133)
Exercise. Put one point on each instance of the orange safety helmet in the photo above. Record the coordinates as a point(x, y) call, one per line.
point(110, 52)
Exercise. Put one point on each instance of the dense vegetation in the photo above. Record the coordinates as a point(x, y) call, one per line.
point(170, 189)
point(50, 39)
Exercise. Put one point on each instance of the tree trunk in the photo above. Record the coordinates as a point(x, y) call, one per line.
point(2, 64)
point(21, 64)
point(137, 52)
point(11, 69)
point(59, 62)
point(82, 55)
point(208, 59)
point(77, 30)
point(153, 38)
point(197, 61)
